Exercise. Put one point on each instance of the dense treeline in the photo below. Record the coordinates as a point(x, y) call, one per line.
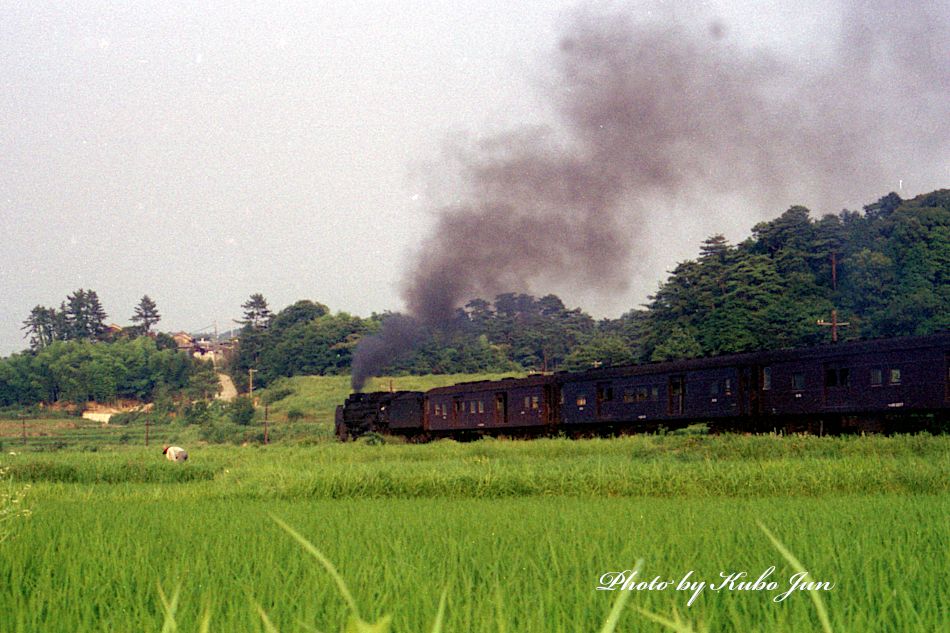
point(886, 271)
point(891, 263)
point(80, 371)
point(75, 357)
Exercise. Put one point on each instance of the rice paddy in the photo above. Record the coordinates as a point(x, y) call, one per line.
point(517, 534)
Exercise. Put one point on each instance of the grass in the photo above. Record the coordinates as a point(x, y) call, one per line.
point(527, 564)
point(654, 466)
point(489, 536)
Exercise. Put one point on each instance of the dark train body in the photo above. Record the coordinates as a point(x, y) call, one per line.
point(888, 385)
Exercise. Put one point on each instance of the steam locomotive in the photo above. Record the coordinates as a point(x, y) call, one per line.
point(886, 385)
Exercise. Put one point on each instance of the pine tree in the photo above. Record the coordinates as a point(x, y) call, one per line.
point(146, 314)
point(40, 327)
point(256, 313)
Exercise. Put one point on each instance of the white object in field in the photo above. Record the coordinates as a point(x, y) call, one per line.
point(175, 453)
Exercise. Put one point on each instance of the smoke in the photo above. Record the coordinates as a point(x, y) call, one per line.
point(651, 114)
point(399, 334)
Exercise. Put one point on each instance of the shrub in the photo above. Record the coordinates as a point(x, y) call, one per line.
point(293, 415)
point(276, 393)
point(198, 413)
point(373, 439)
point(221, 433)
point(241, 411)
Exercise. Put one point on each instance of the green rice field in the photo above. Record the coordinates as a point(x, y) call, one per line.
point(517, 534)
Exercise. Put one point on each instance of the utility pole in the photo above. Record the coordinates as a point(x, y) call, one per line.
point(834, 324)
point(214, 347)
point(834, 271)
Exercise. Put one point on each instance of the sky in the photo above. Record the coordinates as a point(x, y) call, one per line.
point(202, 152)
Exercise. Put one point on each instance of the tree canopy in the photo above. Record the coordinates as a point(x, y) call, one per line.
point(885, 270)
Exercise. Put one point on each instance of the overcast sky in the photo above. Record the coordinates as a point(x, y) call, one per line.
point(199, 152)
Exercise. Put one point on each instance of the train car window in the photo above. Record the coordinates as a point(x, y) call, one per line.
point(481, 407)
point(642, 394)
point(798, 381)
point(655, 394)
point(628, 396)
point(438, 410)
point(581, 400)
point(714, 389)
point(877, 376)
point(844, 377)
point(831, 377)
point(471, 407)
point(535, 402)
point(527, 403)
point(727, 386)
point(895, 377)
point(766, 378)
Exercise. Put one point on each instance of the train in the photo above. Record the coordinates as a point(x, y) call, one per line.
point(884, 386)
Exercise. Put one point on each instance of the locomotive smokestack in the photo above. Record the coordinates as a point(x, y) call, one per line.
point(661, 116)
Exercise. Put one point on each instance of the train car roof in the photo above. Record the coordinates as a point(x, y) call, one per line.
point(831, 350)
point(532, 380)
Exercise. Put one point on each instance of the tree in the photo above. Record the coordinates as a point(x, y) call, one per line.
point(146, 314)
point(40, 326)
point(300, 312)
point(601, 350)
point(241, 410)
point(681, 343)
point(203, 384)
point(85, 316)
point(257, 315)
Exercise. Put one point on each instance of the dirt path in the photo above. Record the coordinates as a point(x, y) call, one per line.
point(228, 392)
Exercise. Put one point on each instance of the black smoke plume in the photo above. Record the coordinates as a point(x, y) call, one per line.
point(656, 113)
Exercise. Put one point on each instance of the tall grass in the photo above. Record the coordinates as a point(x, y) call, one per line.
point(668, 466)
point(514, 564)
point(515, 534)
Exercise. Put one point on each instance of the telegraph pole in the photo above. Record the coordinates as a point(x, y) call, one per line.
point(214, 347)
point(834, 324)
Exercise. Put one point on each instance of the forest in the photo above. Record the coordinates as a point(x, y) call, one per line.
point(884, 270)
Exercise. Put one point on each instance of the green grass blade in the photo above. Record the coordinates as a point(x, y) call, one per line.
point(268, 625)
point(674, 625)
point(796, 564)
point(323, 560)
point(611, 624)
point(440, 614)
point(170, 607)
point(205, 626)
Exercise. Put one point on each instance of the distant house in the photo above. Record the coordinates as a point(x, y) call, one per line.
point(184, 341)
point(113, 332)
point(201, 348)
